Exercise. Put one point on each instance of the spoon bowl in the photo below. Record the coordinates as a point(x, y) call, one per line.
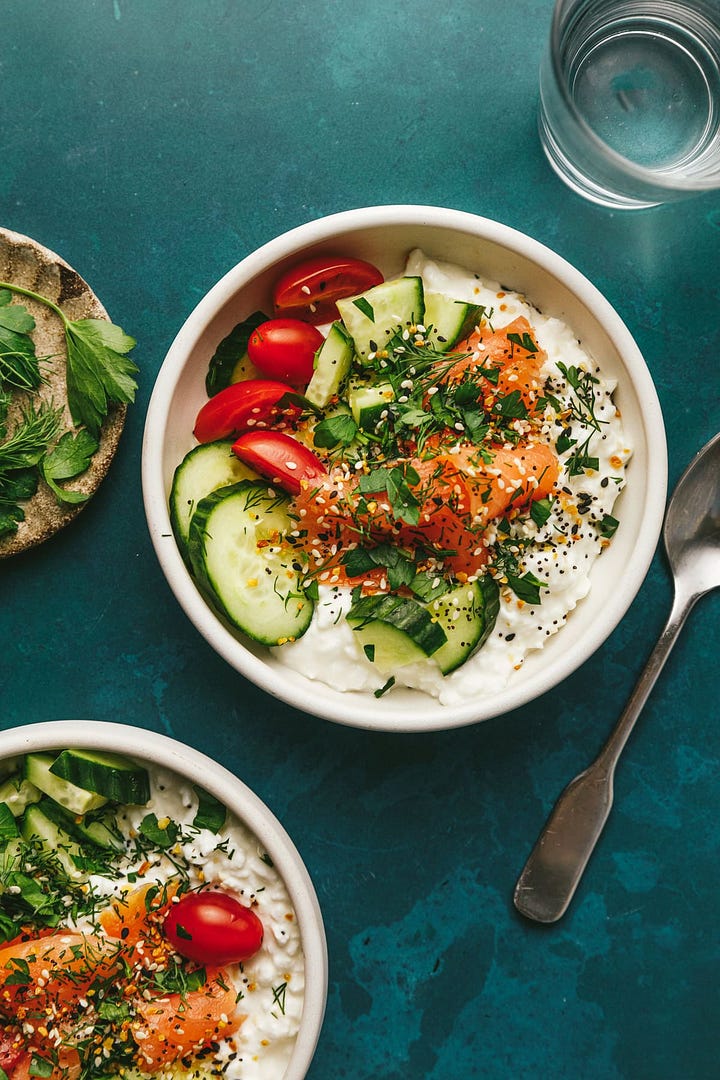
point(692, 524)
point(692, 541)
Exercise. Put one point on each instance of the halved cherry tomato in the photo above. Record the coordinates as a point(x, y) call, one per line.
point(212, 927)
point(285, 349)
point(279, 458)
point(310, 289)
point(241, 406)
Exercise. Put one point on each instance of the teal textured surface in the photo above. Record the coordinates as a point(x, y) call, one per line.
point(154, 145)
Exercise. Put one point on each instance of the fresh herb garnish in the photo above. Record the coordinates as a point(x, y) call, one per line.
point(338, 430)
point(582, 409)
point(69, 459)
point(279, 996)
point(19, 366)
point(211, 813)
point(99, 373)
point(608, 526)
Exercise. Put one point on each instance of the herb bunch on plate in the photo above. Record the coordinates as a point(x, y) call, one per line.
point(38, 442)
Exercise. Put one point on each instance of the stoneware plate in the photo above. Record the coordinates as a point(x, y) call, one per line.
point(26, 263)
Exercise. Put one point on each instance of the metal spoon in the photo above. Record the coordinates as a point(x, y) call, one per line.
point(692, 542)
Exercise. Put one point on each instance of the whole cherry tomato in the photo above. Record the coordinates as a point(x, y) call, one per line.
point(213, 928)
point(279, 458)
point(285, 349)
point(241, 406)
point(309, 290)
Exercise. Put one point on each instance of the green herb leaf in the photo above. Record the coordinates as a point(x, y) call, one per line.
point(71, 456)
point(540, 511)
point(8, 825)
point(9, 929)
point(211, 813)
point(428, 586)
point(526, 588)
point(164, 836)
point(608, 526)
point(99, 372)
point(19, 366)
point(384, 689)
point(525, 342)
point(337, 430)
point(510, 406)
point(18, 484)
point(405, 505)
point(40, 1066)
point(14, 316)
point(365, 307)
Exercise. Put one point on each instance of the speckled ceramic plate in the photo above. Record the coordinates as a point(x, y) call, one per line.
point(25, 262)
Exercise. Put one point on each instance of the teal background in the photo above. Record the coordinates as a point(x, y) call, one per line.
point(155, 143)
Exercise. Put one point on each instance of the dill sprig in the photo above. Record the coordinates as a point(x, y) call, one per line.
point(582, 410)
point(36, 430)
point(20, 370)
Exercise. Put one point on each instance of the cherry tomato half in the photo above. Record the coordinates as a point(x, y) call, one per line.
point(285, 349)
point(213, 928)
point(242, 406)
point(309, 290)
point(279, 458)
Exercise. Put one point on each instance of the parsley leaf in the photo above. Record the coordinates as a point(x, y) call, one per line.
point(398, 564)
point(71, 456)
point(526, 588)
point(337, 430)
point(540, 511)
point(608, 526)
point(211, 813)
point(99, 372)
point(163, 834)
point(19, 365)
point(365, 307)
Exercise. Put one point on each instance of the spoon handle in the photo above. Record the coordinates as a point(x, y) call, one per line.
point(561, 853)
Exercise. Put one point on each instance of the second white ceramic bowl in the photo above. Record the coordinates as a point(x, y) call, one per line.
point(195, 768)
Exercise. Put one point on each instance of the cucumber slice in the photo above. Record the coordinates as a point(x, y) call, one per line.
point(202, 471)
point(17, 794)
point(101, 831)
point(394, 631)
point(467, 614)
point(332, 366)
point(110, 775)
point(72, 797)
point(369, 403)
point(231, 363)
point(448, 321)
point(38, 825)
point(98, 828)
point(238, 560)
point(374, 318)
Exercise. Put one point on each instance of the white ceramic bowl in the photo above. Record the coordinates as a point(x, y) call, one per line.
point(146, 746)
point(384, 236)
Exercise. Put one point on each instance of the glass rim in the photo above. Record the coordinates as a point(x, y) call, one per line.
point(660, 179)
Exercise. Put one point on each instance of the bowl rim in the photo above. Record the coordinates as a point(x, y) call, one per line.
point(182, 759)
point(356, 710)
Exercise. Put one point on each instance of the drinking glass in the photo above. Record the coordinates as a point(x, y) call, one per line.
point(630, 99)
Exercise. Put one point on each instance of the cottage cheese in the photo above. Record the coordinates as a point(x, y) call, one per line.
point(271, 982)
point(565, 548)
